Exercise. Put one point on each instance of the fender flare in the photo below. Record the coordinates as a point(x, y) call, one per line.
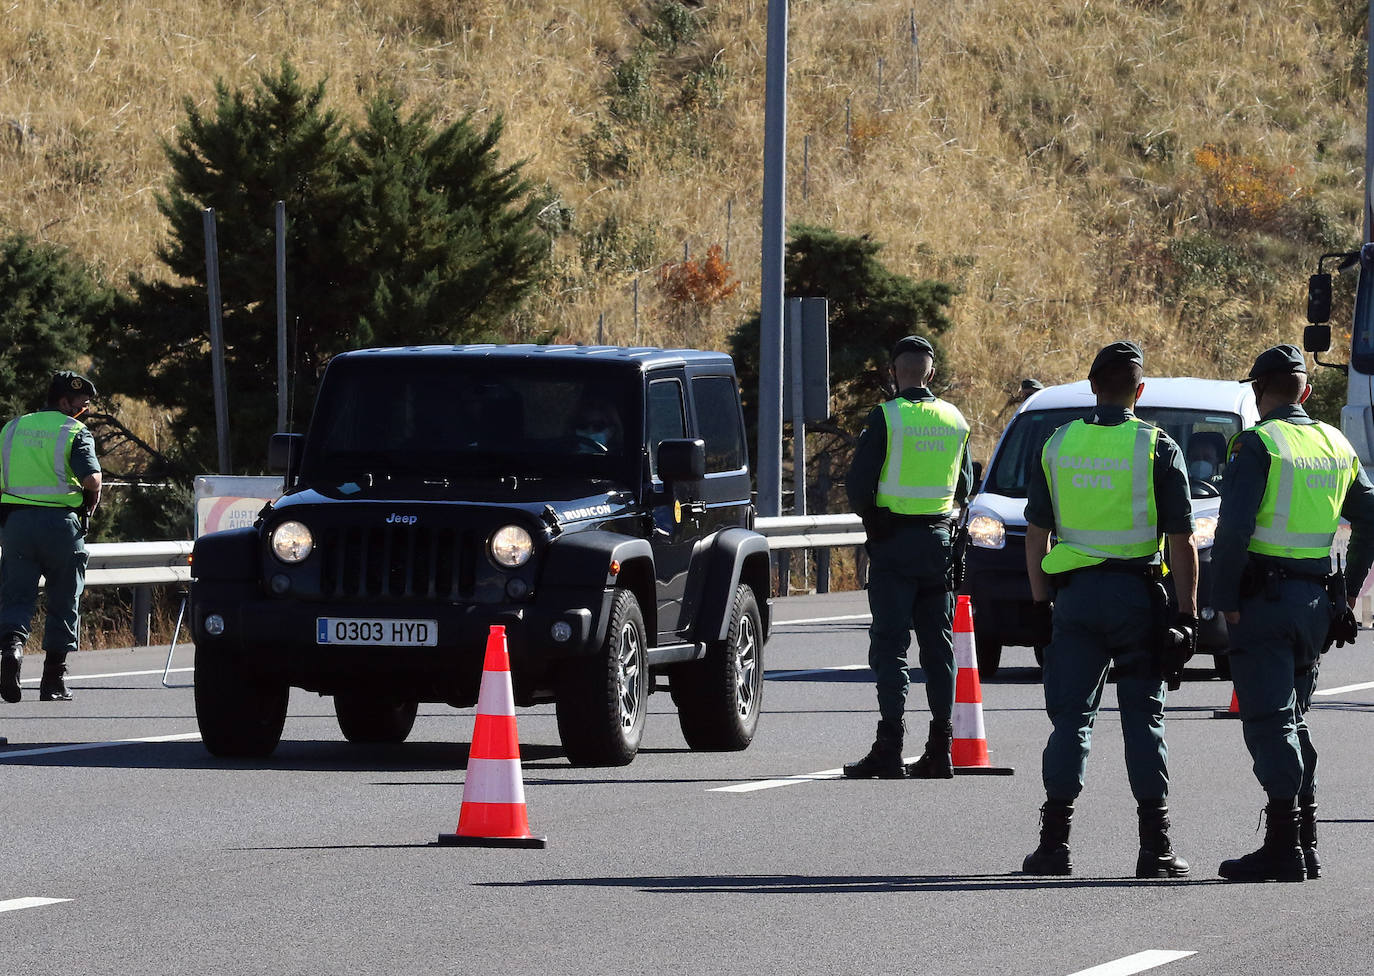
point(228, 555)
point(582, 560)
point(734, 556)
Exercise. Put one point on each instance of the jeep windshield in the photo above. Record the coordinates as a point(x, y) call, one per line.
point(1203, 435)
point(472, 417)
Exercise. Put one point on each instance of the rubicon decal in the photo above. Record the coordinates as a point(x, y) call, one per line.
point(589, 512)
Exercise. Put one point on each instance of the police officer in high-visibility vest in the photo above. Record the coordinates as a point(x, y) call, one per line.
point(1108, 487)
point(1289, 481)
point(49, 485)
point(910, 470)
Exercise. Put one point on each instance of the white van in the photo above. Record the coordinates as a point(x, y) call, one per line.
point(1201, 415)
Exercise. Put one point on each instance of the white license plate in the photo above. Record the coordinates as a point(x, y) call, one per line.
point(372, 630)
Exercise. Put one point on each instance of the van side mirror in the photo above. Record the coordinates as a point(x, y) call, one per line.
point(682, 459)
point(977, 478)
point(1316, 338)
point(284, 454)
point(1319, 304)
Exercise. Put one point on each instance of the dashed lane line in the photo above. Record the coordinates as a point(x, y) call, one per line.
point(823, 620)
point(15, 904)
point(108, 674)
point(79, 746)
point(772, 784)
point(1345, 688)
point(1136, 963)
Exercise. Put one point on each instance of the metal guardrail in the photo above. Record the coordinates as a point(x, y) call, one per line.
point(811, 531)
point(165, 563)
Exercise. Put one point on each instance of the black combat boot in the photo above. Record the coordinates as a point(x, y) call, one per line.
point(11, 663)
point(1052, 856)
point(1157, 858)
point(1307, 835)
point(884, 760)
point(53, 687)
point(935, 762)
point(1279, 857)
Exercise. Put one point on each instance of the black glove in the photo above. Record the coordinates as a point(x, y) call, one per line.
point(1180, 646)
point(1042, 623)
point(879, 524)
point(1344, 628)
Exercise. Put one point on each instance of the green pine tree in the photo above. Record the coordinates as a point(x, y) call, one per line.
point(48, 304)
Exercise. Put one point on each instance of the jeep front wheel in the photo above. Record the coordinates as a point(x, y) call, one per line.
point(238, 717)
point(367, 718)
point(603, 698)
point(719, 697)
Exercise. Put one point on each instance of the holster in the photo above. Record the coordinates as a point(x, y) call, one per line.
point(1159, 622)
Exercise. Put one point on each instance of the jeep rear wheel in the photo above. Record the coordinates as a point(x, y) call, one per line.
point(368, 718)
point(719, 697)
point(603, 698)
point(238, 717)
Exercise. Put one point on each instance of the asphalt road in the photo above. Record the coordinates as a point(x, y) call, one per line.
point(160, 859)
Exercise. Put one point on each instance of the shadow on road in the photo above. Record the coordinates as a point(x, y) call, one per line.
point(801, 884)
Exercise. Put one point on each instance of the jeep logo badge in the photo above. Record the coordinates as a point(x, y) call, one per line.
point(395, 519)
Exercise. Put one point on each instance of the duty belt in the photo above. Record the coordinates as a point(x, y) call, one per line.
point(1144, 571)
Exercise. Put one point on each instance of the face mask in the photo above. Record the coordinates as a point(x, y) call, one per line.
point(1201, 470)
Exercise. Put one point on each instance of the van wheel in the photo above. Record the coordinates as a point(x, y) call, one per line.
point(238, 717)
point(989, 656)
point(720, 697)
point(603, 698)
point(367, 718)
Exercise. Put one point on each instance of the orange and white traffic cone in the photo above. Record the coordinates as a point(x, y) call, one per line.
point(1233, 711)
point(969, 750)
point(493, 810)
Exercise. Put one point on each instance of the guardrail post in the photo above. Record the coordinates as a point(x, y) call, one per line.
point(143, 612)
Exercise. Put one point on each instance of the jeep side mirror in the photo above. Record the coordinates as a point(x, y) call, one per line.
point(1319, 305)
point(977, 478)
point(682, 459)
point(284, 454)
point(1316, 338)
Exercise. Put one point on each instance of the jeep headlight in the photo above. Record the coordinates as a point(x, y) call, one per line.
point(511, 546)
point(987, 532)
point(292, 542)
point(1205, 531)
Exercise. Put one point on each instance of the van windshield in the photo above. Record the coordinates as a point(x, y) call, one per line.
point(1203, 435)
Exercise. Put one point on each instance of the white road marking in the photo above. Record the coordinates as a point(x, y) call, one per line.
point(108, 674)
point(797, 674)
point(1136, 963)
point(1344, 688)
point(15, 904)
point(78, 746)
point(822, 620)
point(769, 784)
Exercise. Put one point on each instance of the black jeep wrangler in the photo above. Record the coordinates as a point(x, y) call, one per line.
point(593, 500)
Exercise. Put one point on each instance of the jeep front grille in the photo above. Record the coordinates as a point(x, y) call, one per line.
point(399, 563)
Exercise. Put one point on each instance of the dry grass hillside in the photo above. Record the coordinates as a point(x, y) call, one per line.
point(1158, 169)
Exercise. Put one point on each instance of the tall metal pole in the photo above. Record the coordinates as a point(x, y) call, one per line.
point(770, 306)
point(216, 338)
point(793, 348)
point(1369, 130)
point(281, 315)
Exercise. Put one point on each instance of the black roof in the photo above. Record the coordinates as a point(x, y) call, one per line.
point(644, 357)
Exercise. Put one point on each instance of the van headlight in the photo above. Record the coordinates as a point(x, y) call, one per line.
point(987, 532)
point(511, 546)
point(1205, 531)
point(292, 542)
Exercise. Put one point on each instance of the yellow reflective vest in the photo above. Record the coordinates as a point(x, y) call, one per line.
point(1311, 467)
point(925, 453)
point(35, 453)
point(1101, 481)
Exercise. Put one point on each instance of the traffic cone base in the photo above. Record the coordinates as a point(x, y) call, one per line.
point(493, 810)
point(1233, 711)
point(969, 750)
